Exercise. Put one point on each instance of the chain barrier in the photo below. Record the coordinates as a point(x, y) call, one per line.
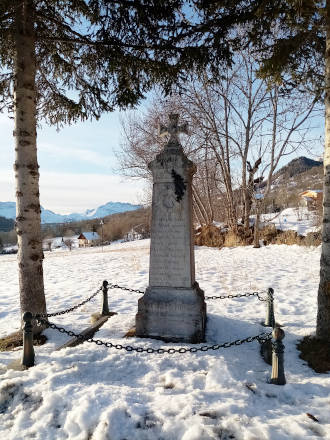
point(239, 295)
point(115, 286)
point(261, 338)
point(63, 312)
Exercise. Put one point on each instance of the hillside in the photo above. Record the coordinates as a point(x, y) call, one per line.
point(6, 224)
point(296, 167)
point(292, 179)
point(8, 210)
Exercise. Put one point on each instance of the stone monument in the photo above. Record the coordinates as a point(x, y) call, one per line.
point(173, 307)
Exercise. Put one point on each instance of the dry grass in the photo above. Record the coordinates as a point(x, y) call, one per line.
point(209, 235)
point(239, 238)
point(212, 236)
point(131, 333)
point(316, 353)
point(289, 238)
point(232, 240)
point(269, 234)
point(14, 340)
point(313, 239)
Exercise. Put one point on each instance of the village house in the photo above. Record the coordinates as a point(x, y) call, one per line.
point(86, 239)
point(65, 243)
point(312, 198)
point(139, 232)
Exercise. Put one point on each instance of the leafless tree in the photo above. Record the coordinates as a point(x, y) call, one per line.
point(240, 130)
point(69, 243)
point(141, 143)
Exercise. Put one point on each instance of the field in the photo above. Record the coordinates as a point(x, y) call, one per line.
point(99, 393)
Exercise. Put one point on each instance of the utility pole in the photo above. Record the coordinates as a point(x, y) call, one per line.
point(102, 223)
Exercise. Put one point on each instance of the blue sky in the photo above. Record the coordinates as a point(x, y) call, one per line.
point(78, 167)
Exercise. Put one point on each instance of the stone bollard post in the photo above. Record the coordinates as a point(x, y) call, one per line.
point(105, 306)
point(270, 318)
point(278, 377)
point(28, 351)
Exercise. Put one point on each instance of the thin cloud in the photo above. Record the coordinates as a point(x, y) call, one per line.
point(65, 193)
point(6, 122)
point(77, 154)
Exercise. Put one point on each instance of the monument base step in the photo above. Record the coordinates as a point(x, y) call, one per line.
point(172, 314)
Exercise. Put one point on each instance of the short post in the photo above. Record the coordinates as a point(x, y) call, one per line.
point(28, 351)
point(278, 377)
point(105, 306)
point(270, 318)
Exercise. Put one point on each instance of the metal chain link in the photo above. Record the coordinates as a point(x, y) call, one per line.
point(239, 295)
point(115, 286)
point(63, 312)
point(262, 337)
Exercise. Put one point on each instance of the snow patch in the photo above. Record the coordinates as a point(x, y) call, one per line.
point(98, 393)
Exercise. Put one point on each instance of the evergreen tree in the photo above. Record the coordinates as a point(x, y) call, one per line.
point(292, 38)
point(299, 56)
point(67, 60)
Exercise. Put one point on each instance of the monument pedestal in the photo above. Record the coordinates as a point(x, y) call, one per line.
point(172, 314)
point(173, 307)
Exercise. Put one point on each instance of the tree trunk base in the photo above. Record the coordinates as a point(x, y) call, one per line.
point(14, 340)
point(316, 353)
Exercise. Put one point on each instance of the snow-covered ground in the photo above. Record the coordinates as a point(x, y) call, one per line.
point(296, 219)
point(92, 392)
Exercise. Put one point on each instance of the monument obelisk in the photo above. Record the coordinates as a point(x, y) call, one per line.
point(173, 307)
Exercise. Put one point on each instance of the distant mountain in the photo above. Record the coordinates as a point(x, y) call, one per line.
point(8, 210)
point(295, 167)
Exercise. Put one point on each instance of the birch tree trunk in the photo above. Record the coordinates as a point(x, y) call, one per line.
point(30, 254)
point(323, 314)
point(256, 240)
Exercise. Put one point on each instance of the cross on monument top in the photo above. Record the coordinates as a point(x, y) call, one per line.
point(173, 129)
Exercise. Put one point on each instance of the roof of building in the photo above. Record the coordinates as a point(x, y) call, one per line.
point(90, 236)
point(311, 193)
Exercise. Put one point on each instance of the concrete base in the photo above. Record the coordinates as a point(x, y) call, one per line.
point(172, 314)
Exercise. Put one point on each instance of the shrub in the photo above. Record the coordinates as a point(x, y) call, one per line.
point(209, 235)
point(269, 234)
point(239, 238)
point(289, 237)
point(313, 239)
point(212, 236)
point(232, 240)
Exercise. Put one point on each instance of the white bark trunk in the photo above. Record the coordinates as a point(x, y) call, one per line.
point(30, 254)
point(323, 314)
point(256, 240)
